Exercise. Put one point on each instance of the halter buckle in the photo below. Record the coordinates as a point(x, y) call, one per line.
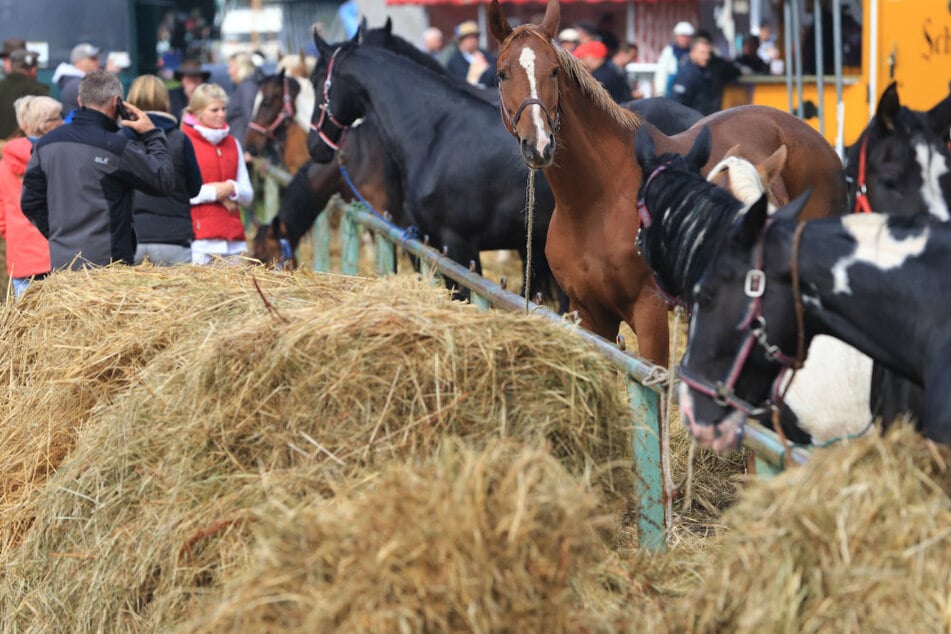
point(755, 284)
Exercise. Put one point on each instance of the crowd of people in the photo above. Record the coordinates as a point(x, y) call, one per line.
point(94, 177)
point(688, 69)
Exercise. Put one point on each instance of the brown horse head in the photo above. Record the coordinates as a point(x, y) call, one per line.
point(271, 246)
point(528, 67)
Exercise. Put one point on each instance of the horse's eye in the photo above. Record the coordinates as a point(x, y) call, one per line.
point(554, 73)
point(502, 75)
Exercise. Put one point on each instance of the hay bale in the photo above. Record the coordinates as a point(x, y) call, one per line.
point(211, 401)
point(499, 539)
point(857, 540)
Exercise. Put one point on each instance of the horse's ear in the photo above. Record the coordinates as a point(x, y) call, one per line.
point(699, 152)
point(323, 48)
point(939, 118)
point(733, 151)
point(772, 167)
point(497, 23)
point(794, 208)
point(388, 27)
point(362, 29)
point(751, 224)
point(644, 148)
point(280, 73)
point(549, 25)
point(888, 105)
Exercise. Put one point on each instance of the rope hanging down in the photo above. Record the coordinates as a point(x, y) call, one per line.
point(530, 213)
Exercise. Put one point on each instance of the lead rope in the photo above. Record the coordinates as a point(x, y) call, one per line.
point(530, 211)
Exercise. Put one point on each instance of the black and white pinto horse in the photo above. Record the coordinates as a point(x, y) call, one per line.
point(876, 281)
point(901, 165)
point(684, 220)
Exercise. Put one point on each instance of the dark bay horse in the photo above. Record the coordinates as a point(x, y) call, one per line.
point(878, 282)
point(462, 180)
point(567, 125)
point(281, 120)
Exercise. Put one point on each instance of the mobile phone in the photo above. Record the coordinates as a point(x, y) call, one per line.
point(122, 111)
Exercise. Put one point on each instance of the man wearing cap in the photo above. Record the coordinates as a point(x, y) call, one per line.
point(79, 184)
point(10, 45)
point(594, 56)
point(671, 58)
point(568, 39)
point(84, 58)
point(190, 75)
point(470, 63)
point(695, 84)
point(19, 82)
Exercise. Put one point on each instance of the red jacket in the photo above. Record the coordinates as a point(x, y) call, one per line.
point(217, 163)
point(28, 252)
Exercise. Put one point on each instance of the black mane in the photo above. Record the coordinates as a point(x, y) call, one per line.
point(689, 216)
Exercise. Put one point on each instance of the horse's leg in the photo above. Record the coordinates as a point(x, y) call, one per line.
point(936, 417)
point(651, 328)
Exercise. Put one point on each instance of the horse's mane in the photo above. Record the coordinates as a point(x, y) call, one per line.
point(745, 182)
point(381, 38)
point(592, 88)
point(689, 217)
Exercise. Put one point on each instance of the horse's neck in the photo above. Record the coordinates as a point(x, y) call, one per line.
point(295, 148)
point(859, 296)
point(594, 159)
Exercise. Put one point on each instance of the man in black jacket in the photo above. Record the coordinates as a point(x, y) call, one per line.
point(79, 184)
point(694, 84)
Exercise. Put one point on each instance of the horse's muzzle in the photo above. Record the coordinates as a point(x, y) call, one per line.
point(538, 155)
point(724, 435)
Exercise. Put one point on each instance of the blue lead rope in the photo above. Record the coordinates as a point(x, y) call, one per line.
point(409, 233)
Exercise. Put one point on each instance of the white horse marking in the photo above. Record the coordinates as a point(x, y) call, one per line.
point(932, 168)
point(874, 245)
point(527, 60)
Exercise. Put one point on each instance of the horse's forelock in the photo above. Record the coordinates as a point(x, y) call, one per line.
point(745, 182)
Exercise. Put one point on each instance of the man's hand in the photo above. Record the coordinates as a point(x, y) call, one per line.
point(141, 122)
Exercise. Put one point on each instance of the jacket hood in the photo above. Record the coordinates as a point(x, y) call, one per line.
point(66, 70)
point(163, 120)
point(16, 154)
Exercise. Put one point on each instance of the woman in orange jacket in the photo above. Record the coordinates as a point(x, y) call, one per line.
point(28, 252)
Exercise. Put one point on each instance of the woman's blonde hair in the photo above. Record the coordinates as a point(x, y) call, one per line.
point(148, 92)
point(37, 115)
point(204, 94)
point(243, 66)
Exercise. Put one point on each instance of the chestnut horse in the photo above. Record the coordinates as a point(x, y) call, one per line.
point(546, 93)
point(281, 118)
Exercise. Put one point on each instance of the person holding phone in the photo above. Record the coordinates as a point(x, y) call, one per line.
point(79, 184)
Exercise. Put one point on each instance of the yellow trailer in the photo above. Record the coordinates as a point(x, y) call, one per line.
point(908, 41)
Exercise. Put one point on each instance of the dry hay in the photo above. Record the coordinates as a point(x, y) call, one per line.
point(502, 539)
point(191, 403)
point(858, 540)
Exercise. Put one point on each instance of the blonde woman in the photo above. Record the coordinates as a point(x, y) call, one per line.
point(245, 76)
point(216, 217)
point(28, 252)
point(163, 224)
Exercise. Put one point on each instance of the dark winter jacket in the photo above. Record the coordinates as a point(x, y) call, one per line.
point(79, 186)
point(167, 219)
point(694, 87)
point(613, 80)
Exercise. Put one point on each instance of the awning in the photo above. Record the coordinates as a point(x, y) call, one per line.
point(465, 3)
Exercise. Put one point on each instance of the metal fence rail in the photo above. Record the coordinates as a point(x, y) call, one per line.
point(643, 390)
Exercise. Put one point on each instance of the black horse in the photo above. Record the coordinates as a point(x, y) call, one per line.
point(901, 165)
point(878, 282)
point(463, 183)
point(684, 220)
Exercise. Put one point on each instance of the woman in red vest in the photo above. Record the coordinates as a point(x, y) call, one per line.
point(216, 217)
point(28, 252)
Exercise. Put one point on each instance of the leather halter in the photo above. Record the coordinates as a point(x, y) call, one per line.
point(861, 195)
point(723, 392)
point(511, 121)
point(286, 114)
point(326, 114)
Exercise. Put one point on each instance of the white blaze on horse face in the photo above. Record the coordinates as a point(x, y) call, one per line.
point(933, 167)
point(527, 61)
point(257, 104)
point(874, 245)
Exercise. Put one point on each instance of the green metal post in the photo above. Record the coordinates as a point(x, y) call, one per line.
point(479, 301)
point(648, 466)
point(766, 470)
point(350, 242)
point(385, 255)
point(321, 239)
